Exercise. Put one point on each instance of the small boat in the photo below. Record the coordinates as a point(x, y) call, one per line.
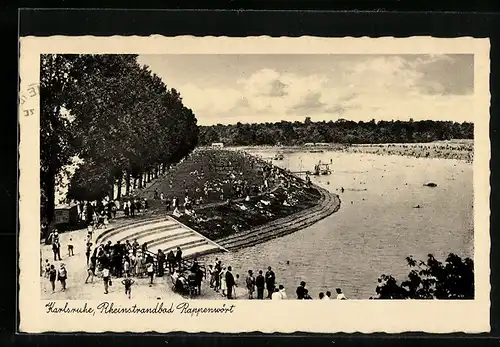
point(322, 169)
point(316, 151)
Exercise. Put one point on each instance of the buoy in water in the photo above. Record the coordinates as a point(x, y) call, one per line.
point(430, 184)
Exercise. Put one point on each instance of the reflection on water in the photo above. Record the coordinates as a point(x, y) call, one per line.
point(377, 225)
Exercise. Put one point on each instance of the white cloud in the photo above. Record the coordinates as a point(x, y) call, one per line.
point(389, 87)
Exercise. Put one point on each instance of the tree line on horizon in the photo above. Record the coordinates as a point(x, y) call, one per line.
point(116, 116)
point(341, 131)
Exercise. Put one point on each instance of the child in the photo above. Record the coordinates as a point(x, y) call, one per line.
point(63, 275)
point(52, 277)
point(126, 267)
point(127, 282)
point(47, 268)
point(151, 272)
point(106, 279)
point(70, 248)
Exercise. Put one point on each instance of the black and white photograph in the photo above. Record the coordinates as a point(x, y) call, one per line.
point(212, 181)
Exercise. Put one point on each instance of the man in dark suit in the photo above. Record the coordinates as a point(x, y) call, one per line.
point(270, 281)
point(260, 283)
point(229, 282)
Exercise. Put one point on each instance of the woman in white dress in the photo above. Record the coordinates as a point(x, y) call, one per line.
point(223, 285)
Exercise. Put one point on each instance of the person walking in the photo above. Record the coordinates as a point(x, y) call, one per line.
point(260, 284)
point(90, 272)
point(229, 282)
point(127, 283)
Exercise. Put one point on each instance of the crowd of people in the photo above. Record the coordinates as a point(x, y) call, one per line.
point(262, 286)
point(117, 260)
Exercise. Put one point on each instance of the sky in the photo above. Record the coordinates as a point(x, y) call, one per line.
point(252, 88)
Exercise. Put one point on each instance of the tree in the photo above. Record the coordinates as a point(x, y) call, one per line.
point(55, 137)
point(124, 124)
point(431, 280)
point(341, 131)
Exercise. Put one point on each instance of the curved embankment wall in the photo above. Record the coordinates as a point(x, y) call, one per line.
point(328, 204)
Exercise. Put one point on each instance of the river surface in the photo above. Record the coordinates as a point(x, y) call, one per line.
point(377, 226)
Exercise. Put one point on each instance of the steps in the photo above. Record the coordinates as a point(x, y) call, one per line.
point(163, 233)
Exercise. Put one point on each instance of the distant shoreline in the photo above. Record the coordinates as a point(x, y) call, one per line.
point(462, 150)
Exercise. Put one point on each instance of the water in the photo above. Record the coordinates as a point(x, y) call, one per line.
point(376, 232)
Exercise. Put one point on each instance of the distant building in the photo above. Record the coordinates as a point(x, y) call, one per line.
point(217, 145)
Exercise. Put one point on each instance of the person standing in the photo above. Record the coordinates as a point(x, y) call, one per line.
point(132, 208)
point(171, 261)
point(178, 257)
point(260, 284)
point(70, 248)
point(328, 296)
point(223, 285)
point(161, 263)
point(62, 276)
point(301, 290)
point(229, 282)
point(270, 282)
point(282, 292)
point(150, 270)
point(217, 271)
point(88, 250)
point(250, 282)
point(53, 277)
point(106, 279)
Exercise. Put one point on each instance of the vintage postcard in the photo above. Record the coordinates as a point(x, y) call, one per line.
point(187, 184)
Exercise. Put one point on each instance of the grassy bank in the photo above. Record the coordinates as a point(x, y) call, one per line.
point(218, 183)
point(236, 216)
point(209, 174)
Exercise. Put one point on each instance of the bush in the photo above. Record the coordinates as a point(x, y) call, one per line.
point(431, 280)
